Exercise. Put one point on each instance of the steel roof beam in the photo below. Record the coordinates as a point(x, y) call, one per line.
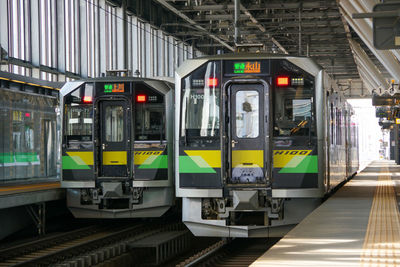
point(363, 59)
point(364, 31)
point(190, 21)
point(285, 16)
point(262, 6)
point(294, 24)
point(262, 29)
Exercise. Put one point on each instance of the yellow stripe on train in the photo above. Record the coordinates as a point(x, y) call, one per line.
point(282, 157)
point(248, 158)
point(141, 156)
point(115, 158)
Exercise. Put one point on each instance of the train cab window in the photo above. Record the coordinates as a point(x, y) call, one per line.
point(201, 103)
point(78, 121)
point(149, 114)
point(114, 123)
point(149, 122)
point(247, 111)
point(200, 115)
point(293, 110)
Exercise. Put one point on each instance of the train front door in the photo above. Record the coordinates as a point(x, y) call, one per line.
point(114, 152)
point(247, 133)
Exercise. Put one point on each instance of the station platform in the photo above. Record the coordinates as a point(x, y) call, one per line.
point(26, 194)
point(358, 226)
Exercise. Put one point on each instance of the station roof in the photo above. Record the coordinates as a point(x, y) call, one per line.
point(323, 30)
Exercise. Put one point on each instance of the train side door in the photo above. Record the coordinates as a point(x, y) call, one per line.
point(114, 151)
point(247, 133)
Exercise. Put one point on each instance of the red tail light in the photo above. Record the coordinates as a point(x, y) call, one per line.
point(282, 81)
point(212, 82)
point(141, 98)
point(87, 99)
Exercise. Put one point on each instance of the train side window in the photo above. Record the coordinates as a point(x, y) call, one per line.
point(338, 127)
point(332, 124)
point(114, 123)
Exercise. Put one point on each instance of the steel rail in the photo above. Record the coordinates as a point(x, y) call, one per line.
point(46, 242)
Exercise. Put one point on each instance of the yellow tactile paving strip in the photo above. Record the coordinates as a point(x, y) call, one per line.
point(382, 238)
point(358, 226)
point(28, 188)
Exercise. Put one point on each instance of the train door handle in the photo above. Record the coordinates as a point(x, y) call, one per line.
point(103, 146)
point(234, 143)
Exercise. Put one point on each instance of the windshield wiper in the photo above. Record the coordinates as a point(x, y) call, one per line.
point(298, 127)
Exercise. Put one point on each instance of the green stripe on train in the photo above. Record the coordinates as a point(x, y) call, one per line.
point(194, 164)
point(73, 163)
point(302, 164)
point(155, 162)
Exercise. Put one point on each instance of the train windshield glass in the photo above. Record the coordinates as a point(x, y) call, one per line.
point(149, 122)
point(201, 102)
point(79, 121)
point(149, 114)
point(200, 112)
point(293, 106)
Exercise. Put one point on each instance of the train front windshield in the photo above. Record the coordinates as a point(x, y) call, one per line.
point(201, 104)
point(293, 108)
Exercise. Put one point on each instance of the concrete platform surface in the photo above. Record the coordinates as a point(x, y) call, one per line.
point(358, 226)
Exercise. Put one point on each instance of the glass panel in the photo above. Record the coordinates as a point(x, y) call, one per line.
point(301, 109)
point(149, 122)
point(247, 114)
point(293, 110)
point(200, 112)
point(114, 123)
point(201, 101)
point(79, 121)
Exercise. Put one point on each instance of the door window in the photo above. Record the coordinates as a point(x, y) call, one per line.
point(114, 123)
point(247, 114)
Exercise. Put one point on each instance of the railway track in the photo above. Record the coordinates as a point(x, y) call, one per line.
point(91, 245)
point(236, 252)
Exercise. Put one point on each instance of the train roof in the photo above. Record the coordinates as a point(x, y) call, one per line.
point(165, 82)
point(306, 63)
point(125, 79)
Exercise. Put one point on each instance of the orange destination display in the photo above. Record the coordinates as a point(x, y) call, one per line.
point(114, 88)
point(247, 67)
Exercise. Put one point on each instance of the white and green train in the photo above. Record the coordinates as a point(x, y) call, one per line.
point(116, 144)
point(259, 141)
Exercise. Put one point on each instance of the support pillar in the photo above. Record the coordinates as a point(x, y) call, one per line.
point(38, 214)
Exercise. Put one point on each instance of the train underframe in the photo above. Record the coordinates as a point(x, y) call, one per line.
point(111, 200)
point(245, 213)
